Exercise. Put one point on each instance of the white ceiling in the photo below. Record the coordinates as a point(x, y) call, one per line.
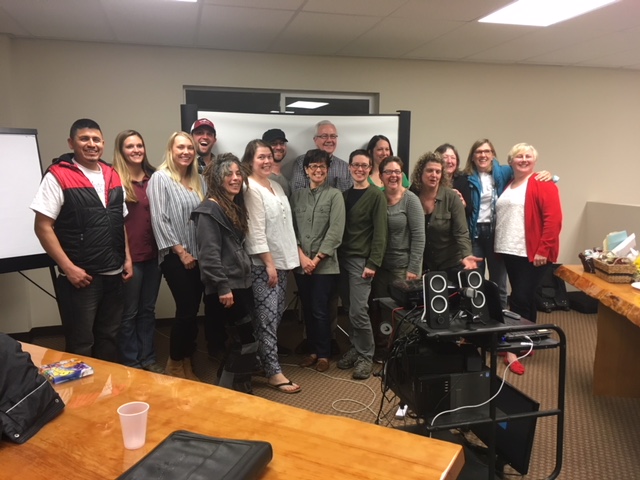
point(401, 29)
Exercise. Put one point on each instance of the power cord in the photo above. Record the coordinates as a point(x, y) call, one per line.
point(504, 378)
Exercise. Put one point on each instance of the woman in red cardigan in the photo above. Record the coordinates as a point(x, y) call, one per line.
point(528, 223)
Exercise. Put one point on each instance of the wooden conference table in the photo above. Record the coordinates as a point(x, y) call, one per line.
point(615, 370)
point(85, 441)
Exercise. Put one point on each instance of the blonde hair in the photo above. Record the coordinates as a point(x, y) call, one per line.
point(519, 148)
point(194, 181)
point(122, 167)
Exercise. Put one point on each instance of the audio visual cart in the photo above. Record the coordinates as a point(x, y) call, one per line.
point(489, 338)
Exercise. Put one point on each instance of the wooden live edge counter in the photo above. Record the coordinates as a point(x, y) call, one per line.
point(85, 441)
point(615, 370)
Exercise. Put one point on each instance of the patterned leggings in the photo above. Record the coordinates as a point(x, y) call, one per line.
point(269, 307)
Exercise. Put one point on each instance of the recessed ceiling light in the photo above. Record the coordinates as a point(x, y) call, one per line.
point(309, 105)
point(190, 1)
point(542, 13)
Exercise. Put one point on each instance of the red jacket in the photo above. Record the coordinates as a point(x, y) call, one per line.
point(542, 219)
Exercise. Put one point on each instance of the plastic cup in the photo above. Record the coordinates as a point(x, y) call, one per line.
point(133, 420)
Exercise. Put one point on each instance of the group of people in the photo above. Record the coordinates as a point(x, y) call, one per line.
point(227, 231)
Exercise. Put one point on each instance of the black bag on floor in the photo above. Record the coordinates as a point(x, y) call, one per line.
point(552, 292)
point(27, 400)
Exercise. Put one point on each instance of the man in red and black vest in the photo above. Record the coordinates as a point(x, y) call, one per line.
point(80, 214)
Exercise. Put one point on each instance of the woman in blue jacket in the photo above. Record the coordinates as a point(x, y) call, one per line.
point(487, 180)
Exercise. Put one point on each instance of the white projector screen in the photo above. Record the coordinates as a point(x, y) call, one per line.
point(20, 162)
point(235, 130)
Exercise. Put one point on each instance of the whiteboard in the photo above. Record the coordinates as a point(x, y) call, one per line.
point(20, 179)
point(235, 130)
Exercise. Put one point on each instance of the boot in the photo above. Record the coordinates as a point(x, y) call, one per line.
point(174, 368)
point(188, 370)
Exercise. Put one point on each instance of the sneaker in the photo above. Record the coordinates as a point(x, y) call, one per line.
point(362, 369)
point(348, 360)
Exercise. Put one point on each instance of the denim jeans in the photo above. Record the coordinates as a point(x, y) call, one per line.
point(91, 316)
point(137, 331)
point(186, 289)
point(316, 292)
point(483, 247)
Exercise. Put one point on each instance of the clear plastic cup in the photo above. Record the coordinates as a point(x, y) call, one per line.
point(133, 420)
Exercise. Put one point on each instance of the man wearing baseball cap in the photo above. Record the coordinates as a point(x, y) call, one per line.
point(204, 134)
point(278, 141)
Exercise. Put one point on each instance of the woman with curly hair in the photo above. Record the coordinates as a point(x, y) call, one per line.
point(225, 268)
point(448, 246)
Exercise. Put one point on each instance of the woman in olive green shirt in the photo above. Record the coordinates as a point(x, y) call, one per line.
point(318, 219)
point(448, 245)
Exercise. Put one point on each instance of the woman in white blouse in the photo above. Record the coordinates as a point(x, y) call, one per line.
point(174, 190)
point(271, 244)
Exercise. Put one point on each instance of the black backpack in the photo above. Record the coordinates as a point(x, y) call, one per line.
point(552, 292)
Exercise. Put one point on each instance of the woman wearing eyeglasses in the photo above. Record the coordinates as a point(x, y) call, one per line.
point(318, 220)
point(487, 180)
point(405, 241)
point(379, 148)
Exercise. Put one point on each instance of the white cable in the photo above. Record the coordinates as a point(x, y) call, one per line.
point(504, 378)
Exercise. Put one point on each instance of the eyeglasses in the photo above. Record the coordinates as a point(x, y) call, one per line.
point(314, 167)
point(392, 172)
point(278, 143)
point(483, 152)
point(326, 136)
point(360, 166)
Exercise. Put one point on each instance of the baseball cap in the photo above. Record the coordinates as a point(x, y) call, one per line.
point(203, 122)
point(274, 134)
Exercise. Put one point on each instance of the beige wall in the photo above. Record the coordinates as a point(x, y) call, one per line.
point(582, 121)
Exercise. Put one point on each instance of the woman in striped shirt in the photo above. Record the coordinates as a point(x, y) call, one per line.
point(175, 189)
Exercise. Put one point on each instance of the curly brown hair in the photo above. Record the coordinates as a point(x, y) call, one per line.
point(214, 176)
point(428, 157)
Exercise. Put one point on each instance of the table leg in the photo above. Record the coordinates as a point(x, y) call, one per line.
point(615, 370)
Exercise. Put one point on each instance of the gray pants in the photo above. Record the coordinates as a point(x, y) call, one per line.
point(355, 292)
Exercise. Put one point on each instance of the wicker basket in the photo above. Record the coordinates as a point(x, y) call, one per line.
point(622, 273)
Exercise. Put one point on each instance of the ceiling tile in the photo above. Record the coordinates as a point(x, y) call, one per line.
point(274, 4)
point(469, 39)
point(9, 25)
point(383, 39)
point(453, 10)
point(64, 19)
point(322, 34)
point(374, 8)
point(153, 22)
point(218, 28)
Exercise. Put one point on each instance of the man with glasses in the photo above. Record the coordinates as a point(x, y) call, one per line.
point(360, 255)
point(325, 138)
point(278, 141)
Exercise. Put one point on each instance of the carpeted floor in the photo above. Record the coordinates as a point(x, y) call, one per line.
point(601, 433)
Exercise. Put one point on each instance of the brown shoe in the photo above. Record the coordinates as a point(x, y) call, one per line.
point(188, 370)
point(308, 361)
point(175, 368)
point(322, 365)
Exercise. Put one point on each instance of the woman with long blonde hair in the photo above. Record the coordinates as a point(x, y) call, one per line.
point(175, 189)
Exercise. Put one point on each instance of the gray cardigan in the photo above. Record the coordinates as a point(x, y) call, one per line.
point(224, 264)
point(318, 219)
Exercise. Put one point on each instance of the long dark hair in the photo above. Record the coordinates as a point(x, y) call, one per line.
point(214, 176)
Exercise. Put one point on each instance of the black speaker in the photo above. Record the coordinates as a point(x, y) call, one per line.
point(436, 293)
point(472, 297)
